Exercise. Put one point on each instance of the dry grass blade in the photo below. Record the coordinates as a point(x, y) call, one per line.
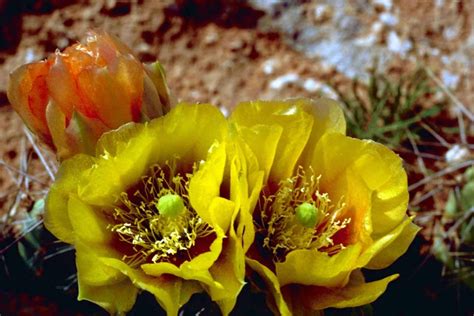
point(451, 96)
point(441, 173)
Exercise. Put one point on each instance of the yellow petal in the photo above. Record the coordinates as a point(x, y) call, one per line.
point(328, 118)
point(394, 250)
point(116, 298)
point(187, 272)
point(289, 115)
point(380, 169)
point(310, 267)
point(273, 285)
point(113, 174)
point(91, 270)
point(402, 236)
point(245, 184)
point(195, 269)
point(88, 224)
point(186, 134)
point(170, 292)
point(356, 293)
point(221, 211)
point(205, 184)
point(114, 142)
point(56, 217)
point(262, 140)
point(188, 131)
point(228, 270)
point(334, 154)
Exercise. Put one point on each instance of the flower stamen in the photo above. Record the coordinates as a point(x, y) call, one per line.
point(156, 218)
point(299, 216)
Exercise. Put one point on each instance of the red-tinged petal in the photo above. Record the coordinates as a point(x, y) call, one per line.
point(83, 133)
point(28, 95)
point(96, 86)
point(129, 78)
point(356, 293)
point(62, 87)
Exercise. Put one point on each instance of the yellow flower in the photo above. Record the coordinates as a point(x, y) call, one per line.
point(330, 206)
point(71, 98)
point(151, 210)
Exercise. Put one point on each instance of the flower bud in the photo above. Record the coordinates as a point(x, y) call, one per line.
point(70, 99)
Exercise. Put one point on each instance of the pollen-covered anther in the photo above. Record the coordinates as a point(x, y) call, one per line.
point(299, 216)
point(157, 219)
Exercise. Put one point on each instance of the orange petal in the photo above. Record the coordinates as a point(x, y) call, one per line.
point(28, 95)
point(62, 87)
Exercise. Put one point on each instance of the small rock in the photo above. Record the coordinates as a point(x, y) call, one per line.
point(396, 45)
point(456, 154)
point(449, 79)
point(311, 85)
point(283, 80)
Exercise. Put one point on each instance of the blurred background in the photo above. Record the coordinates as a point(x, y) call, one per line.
point(402, 69)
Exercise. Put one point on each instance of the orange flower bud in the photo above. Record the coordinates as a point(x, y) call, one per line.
point(74, 96)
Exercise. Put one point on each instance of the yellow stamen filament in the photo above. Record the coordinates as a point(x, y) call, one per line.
point(157, 219)
point(298, 216)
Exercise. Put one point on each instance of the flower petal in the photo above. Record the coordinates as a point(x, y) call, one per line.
point(228, 270)
point(296, 124)
point(56, 121)
point(56, 218)
point(328, 118)
point(263, 141)
point(400, 237)
point(116, 298)
point(61, 85)
point(115, 171)
point(356, 293)
point(273, 285)
point(188, 131)
point(379, 168)
point(204, 186)
point(170, 292)
point(195, 269)
point(28, 95)
point(89, 226)
point(92, 271)
point(221, 211)
point(310, 267)
point(395, 249)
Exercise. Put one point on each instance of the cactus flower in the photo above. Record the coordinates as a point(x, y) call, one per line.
point(330, 206)
point(154, 210)
point(74, 96)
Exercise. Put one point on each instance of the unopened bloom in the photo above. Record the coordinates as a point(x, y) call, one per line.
point(72, 97)
point(330, 206)
point(154, 210)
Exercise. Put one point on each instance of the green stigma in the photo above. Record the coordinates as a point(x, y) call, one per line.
point(170, 205)
point(307, 214)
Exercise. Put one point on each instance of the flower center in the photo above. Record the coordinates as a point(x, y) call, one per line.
point(298, 216)
point(157, 220)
